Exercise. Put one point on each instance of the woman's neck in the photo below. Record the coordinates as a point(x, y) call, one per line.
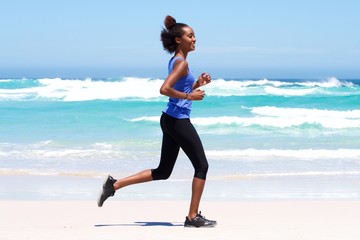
point(181, 53)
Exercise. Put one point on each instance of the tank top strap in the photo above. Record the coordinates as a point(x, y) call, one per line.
point(172, 62)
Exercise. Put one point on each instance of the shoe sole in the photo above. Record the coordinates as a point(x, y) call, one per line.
point(192, 226)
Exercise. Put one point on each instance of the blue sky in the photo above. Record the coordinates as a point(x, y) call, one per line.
point(235, 39)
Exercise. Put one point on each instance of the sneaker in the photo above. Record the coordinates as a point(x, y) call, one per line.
point(199, 221)
point(107, 190)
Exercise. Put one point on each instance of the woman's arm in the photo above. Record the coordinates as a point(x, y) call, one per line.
point(180, 69)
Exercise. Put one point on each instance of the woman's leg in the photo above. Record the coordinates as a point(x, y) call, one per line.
point(197, 190)
point(144, 176)
point(189, 141)
point(169, 152)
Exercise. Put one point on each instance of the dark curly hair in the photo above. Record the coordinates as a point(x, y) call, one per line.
point(171, 31)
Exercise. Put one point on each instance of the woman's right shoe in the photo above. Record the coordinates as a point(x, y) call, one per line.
point(107, 190)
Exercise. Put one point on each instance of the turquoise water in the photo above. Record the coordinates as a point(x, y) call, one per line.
point(286, 132)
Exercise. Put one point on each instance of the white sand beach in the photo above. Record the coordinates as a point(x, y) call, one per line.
point(147, 220)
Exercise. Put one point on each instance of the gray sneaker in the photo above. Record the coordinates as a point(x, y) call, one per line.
point(107, 190)
point(199, 221)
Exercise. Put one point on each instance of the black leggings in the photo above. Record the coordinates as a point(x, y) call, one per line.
point(179, 133)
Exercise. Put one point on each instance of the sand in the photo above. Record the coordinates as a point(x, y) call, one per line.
point(290, 220)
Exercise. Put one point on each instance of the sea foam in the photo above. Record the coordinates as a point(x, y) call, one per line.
point(57, 89)
point(280, 118)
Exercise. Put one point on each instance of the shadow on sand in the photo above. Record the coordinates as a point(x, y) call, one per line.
point(142, 224)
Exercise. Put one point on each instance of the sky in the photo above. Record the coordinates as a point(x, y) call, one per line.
point(235, 38)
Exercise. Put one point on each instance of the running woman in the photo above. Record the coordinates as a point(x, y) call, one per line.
point(178, 132)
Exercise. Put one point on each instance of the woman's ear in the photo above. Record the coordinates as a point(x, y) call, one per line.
point(178, 40)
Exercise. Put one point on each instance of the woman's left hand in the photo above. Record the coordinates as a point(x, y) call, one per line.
point(204, 79)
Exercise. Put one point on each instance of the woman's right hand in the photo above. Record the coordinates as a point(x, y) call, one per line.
point(197, 95)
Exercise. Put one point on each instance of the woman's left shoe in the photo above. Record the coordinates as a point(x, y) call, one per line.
point(199, 221)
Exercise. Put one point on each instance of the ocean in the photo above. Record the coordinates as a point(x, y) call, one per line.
point(264, 139)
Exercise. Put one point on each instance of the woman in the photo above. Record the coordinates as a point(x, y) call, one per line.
point(178, 132)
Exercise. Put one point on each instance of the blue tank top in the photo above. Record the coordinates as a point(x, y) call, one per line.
point(180, 108)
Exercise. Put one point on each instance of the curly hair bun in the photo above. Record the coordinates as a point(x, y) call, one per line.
point(169, 22)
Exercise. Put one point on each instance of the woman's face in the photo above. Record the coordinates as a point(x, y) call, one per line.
point(187, 40)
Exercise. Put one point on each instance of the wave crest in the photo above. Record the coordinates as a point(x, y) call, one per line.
point(280, 118)
point(57, 89)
